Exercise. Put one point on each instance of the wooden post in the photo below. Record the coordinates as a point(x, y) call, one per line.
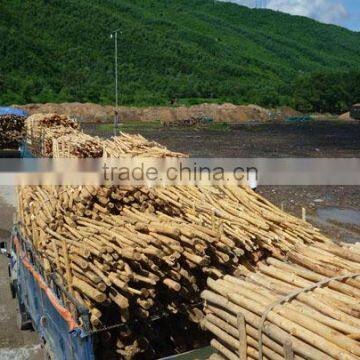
point(242, 336)
point(67, 267)
point(288, 350)
point(57, 258)
point(213, 219)
point(282, 206)
point(42, 145)
point(303, 213)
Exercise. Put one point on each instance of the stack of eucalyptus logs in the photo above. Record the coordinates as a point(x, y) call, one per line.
point(36, 122)
point(43, 130)
point(306, 305)
point(245, 222)
point(136, 145)
point(12, 129)
point(132, 254)
point(59, 136)
point(77, 145)
point(124, 269)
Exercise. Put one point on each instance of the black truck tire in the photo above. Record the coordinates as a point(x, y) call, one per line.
point(22, 318)
point(13, 286)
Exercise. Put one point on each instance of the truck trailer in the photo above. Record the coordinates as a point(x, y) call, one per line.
point(65, 335)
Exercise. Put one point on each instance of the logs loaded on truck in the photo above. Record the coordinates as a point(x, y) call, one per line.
point(53, 135)
point(306, 306)
point(12, 129)
point(12, 132)
point(192, 257)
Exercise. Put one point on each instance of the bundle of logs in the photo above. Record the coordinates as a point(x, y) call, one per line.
point(77, 145)
point(136, 145)
point(12, 129)
point(53, 135)
point(43, 129)
point(123, 268)
point(307, 307)
point(245, 220)
point(36, 122)
point(130, 254)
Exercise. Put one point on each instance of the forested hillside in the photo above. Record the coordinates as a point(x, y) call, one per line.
point(194, 50)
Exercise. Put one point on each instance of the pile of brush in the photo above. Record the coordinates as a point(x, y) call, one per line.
point(194, 121)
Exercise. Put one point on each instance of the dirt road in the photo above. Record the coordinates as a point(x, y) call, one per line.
point(14, 344)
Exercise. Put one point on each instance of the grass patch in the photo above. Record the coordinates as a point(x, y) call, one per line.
point(220, 126)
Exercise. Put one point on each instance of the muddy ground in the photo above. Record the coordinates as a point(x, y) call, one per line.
point(318, 201)
point(278, 140)
point(315, 139)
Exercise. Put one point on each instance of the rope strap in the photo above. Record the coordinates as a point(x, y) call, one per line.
point(290, 297)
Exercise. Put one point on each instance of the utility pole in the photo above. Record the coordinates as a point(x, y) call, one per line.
point(114, 35)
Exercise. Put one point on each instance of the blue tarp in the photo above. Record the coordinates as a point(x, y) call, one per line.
point(12, 111)
point(299, 119)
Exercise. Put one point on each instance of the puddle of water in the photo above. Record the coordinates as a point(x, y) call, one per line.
point(345, 216)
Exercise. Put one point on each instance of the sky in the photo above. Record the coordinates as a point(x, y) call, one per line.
point(340, 12)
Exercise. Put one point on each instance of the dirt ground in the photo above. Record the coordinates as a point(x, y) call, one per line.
point(272, 140)
point(315, 139)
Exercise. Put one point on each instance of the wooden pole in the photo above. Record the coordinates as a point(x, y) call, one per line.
point(303, 214)
point(67, 266)
point(288, 350)
point(241, 325)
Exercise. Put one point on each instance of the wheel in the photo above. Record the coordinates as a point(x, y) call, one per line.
point(22, 318)
point(13, 286)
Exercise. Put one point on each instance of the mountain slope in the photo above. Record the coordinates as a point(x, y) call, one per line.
point(60, 50)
